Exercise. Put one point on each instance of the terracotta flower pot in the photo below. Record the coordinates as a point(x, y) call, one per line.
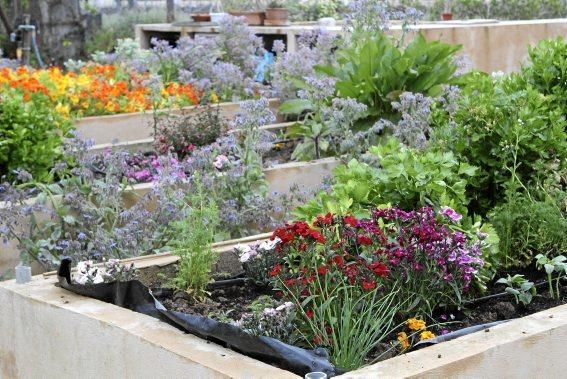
point(252, 18)
point(277, 17)
point(201, 17)
point(446, 16)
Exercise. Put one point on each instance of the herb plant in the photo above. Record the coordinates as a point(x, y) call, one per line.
point(192, 238)
point(522, 289)
point(557, 266)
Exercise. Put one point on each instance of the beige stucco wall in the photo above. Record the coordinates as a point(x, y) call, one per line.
point(47, 332)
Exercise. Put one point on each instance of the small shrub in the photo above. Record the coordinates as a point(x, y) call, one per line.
point(31, 135)
point(182, 133)
point(193, 236)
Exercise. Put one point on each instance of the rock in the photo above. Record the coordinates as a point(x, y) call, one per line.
point(505, 310)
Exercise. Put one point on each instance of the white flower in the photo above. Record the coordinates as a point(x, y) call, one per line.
point(270, 312)
point(242, 248)
point(245, 257)
point(269, 244)
point(284, 306)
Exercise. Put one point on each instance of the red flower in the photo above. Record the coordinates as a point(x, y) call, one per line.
point(368, 285)
point(322, 270)
point(324, 220)
point(349, 220)
point(290, 282)
point(275, 270)
point(363, 240)
point(317, 236)
point(351, 271)
point(317, 340)
point(338, 260)
point(380, 269)
point(309, 313)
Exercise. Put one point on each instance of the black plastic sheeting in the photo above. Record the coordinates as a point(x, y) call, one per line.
point(135, 296)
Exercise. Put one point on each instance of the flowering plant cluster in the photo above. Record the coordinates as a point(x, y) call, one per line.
point(269, 318)
point(419, 255)
point(110, 271)
point(257, 260)
point(96, 89)
point(417, 329)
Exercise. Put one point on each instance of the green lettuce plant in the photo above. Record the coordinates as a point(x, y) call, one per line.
point(402, 176)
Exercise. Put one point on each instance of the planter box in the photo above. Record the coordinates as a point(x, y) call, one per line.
point(78, 334)
point(280, 179)
point(137, 126)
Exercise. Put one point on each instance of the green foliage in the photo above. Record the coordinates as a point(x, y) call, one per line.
point(509, 131)
point(555, 265)
point(501, 9)
point(313, 10)
point(192, 241)
point(527, 226)
point(404, 177)
point(374, 70)
point(341, 311)
point(522, 289)
point(547, 70)
point(31, 135)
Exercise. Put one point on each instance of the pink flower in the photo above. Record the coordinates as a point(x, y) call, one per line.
point(450, 214)
point(220, 161)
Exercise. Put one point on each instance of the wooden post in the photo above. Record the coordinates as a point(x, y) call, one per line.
point(170, 11)
point(26, 40)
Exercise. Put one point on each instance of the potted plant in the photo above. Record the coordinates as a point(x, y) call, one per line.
point(447, 15)
point(277, 14)
point(249, 9)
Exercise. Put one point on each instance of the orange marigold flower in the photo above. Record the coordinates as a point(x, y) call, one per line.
point(415, 324)
point(426, 335)
point(403, 340)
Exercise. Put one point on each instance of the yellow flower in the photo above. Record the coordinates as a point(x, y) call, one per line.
point(415, 324)
point(62, 109)
point(214, 98)
point(426, 335)
point(403, 340)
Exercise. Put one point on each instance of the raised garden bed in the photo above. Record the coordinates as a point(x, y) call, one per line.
point(137, 126)
point(510, 348)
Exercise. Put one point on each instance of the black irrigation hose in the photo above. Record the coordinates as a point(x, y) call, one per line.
point(497, 295)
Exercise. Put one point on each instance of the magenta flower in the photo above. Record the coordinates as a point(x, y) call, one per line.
point(450, 214)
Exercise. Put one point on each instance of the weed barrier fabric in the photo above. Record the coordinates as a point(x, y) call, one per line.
point(135, 296)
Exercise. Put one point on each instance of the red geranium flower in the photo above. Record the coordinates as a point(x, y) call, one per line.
point(309, 313)
point(324, 220)
point(317, 236)
point(364, 240)
point(290, 282)
point(338, 260)
point(368, 285)
point(380, 269)
point(349, 220)
point(275, 270)
point(322, 270)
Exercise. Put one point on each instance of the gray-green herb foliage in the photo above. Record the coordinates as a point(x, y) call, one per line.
point(192, 242)
point(401, 176)
point(522, 289)
point(555, 266)
point(507, 130)
point(88, 214)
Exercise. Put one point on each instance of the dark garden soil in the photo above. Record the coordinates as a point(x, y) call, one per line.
point(231, 301)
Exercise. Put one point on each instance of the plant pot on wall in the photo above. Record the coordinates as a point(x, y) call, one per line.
point(446, 16)
point(252, 18)
point(277, 17)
